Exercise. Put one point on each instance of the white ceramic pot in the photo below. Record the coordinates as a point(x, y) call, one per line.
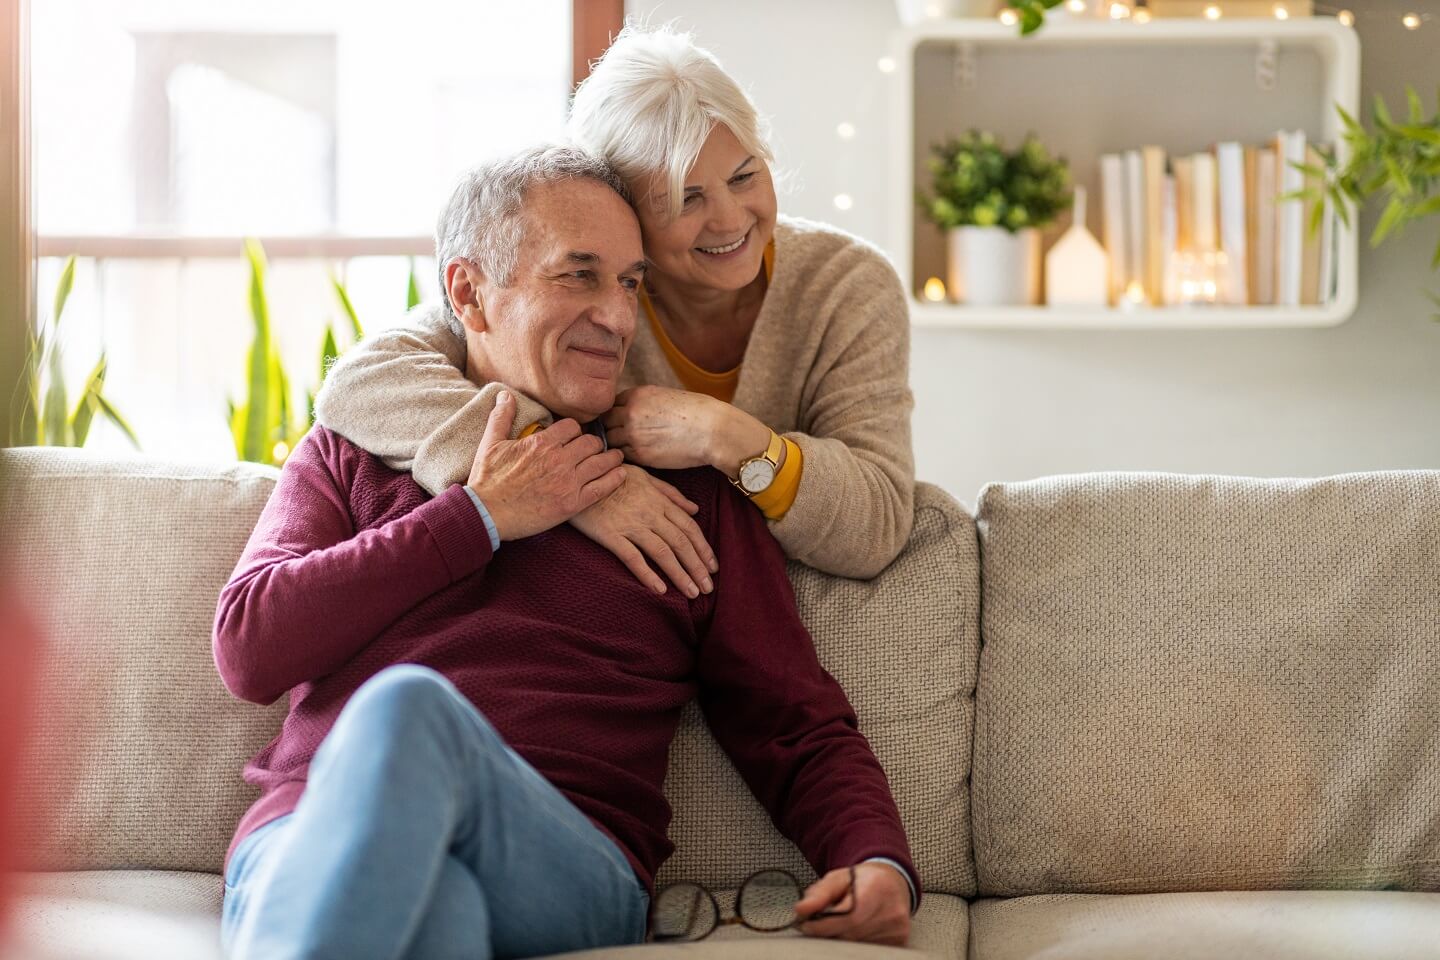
point(992, 267)
point(918, 11)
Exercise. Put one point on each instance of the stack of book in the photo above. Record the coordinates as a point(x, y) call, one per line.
point(1221, 209)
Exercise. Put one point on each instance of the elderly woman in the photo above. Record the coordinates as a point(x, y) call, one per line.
point(773, 349)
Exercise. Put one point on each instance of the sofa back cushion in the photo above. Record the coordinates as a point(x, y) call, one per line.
point(124, 559)
point(137, 747)
point(904, 646)
point(1209, 683)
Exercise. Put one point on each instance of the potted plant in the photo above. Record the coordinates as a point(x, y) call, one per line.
point(992, 203)
point(1400, 161)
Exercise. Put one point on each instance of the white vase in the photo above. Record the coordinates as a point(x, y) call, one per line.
point(992, 267)
point(918, 11)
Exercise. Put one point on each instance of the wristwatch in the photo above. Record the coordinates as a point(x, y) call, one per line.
point(757, 473)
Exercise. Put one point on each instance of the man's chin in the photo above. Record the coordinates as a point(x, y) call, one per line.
point(584, 408)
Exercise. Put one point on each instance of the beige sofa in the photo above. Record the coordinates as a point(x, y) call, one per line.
point(1123, 715)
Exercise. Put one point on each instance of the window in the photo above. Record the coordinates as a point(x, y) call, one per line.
point(165, 131)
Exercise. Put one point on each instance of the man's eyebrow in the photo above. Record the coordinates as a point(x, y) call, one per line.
point(639, 266)
point(582, 256)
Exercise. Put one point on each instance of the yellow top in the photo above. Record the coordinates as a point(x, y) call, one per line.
point(777, 498)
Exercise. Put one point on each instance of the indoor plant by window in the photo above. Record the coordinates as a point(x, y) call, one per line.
point(992, 203)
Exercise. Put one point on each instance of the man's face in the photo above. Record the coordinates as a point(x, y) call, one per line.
point(560, 330)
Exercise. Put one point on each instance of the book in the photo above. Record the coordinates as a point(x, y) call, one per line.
point(1135, 242)
point(1230, 178)
point(1168, 231)
point(1289, 218)
point(1112, 197)
point(1153, 163)
point(1262, 276)
point(1184, 202)
point(1204, 235)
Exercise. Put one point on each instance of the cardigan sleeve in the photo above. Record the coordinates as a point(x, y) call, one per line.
point(402, 394)
point(854, 507)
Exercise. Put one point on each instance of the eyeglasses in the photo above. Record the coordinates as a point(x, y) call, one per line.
point(765, 904)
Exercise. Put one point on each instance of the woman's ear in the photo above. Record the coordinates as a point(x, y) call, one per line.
point(462, 287)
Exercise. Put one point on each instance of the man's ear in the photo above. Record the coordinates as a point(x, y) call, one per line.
point(463, 282)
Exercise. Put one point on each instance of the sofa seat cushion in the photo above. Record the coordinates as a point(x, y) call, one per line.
point(939, 929)
point(116, 915)
point(1264, 925)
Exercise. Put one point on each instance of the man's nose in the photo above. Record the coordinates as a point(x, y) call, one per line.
point(614, 309)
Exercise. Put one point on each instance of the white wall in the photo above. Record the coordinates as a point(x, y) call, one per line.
point(995, 405)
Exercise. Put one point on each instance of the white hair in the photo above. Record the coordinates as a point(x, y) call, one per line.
point(650, 102)
point(484, 223)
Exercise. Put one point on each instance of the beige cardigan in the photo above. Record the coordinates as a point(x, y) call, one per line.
point(827, 365)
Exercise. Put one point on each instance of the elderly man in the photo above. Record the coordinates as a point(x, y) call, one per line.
point(481, 698)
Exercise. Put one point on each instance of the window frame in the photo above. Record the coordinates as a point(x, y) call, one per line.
point(17, 239)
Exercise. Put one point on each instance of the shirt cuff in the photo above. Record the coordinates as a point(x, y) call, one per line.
point(485, 515)
point(914, 899)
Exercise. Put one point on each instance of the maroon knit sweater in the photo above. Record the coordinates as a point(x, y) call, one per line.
point(353, 568)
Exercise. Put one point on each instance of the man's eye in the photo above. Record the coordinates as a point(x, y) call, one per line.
point(583, 274)
point(630, 283)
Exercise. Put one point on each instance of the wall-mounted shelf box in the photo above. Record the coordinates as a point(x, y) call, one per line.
point(1092, 87)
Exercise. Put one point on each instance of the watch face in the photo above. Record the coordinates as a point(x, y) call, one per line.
point(757, 475)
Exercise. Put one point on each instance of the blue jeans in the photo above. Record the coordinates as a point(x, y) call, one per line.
point(421, 835)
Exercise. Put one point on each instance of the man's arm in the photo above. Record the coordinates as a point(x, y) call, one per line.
point(784, 721)
point(309, 593)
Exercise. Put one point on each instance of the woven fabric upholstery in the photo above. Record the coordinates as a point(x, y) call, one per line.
point(904, 646)
point(1208, 683)
point(137, 749)
point(1260, 925)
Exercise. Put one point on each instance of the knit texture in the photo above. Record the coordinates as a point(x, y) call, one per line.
point(136, 751)
point(1209, 683)
point(584, 671)
point(827, 365)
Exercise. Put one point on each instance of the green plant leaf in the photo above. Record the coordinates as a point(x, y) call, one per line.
point(55, 417)
point(412, 289)
point(348, 307)
point(89, 402)
point(62, 291)
point(1417, 111)
point(1394, 211)
point(260, 403)
point(114, 417)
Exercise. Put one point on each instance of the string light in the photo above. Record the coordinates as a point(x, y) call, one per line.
point(843, 201)
point(1212, 12)
point(1142, 12)
point(1119, 11)
point(1009, 17)
point(1281, 13)
point(1411, 20)
point(934, 289)
point(1075, 6)
point(845, 130)
point(885, 64)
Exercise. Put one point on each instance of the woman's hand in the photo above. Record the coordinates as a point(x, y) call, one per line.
point(676, 429)
point(647, 517)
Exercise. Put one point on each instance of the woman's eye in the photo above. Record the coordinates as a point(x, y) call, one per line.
point(742, 178)
point(690, 197)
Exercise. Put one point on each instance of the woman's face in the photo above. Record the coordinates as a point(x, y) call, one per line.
point(718, 241)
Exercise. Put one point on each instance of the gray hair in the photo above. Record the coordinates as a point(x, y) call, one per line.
point(651, 101)
point(484, 221)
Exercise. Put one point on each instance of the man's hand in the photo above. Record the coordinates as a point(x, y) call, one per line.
point(531, 485)
point(647, 517)
point(882, 905)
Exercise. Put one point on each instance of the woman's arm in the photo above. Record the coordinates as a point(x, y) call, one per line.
point(402, 394)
